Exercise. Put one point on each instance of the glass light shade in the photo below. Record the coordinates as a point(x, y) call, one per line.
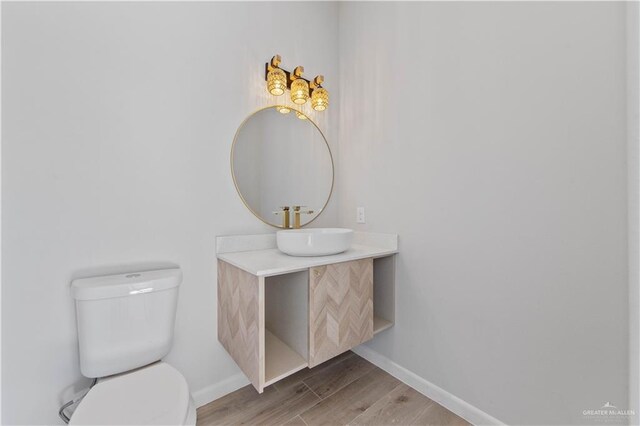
point(299, 91)
point(284, 109)
point(320, 99)
point(300, 115)
point(276, 82)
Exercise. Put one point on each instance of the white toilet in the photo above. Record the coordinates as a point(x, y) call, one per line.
point(125, 326)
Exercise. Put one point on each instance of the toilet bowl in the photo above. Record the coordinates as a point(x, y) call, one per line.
point(154, 395)
point(125, 327)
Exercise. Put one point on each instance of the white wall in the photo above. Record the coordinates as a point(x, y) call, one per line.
point(491, 138)
point(118, 123)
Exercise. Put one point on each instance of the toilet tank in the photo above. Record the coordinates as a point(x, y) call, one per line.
point(125, 321)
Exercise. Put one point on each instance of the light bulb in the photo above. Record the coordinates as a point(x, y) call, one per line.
point(320, 99)
point(299, 91)
point(276, 82)
point(283, 109)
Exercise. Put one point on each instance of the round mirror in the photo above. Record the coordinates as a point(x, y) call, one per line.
point(279, 160)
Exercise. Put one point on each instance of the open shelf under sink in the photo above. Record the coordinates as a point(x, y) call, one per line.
point(280, 360)
point(380, 324)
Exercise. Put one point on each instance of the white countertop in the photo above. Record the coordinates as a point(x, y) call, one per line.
point(271, 261)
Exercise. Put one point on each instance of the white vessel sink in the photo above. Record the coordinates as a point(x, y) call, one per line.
point(314, 241)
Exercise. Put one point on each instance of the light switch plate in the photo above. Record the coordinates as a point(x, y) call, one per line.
point(360, 215)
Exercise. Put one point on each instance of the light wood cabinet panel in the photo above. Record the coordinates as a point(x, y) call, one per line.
point(241, 320)
point(340, 308)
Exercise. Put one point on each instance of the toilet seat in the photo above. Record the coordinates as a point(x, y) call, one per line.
point(154, 395)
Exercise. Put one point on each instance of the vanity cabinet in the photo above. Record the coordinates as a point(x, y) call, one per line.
point(279, 314)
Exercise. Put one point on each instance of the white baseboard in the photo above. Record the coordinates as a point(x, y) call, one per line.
point(220, 389)
point(451, 402)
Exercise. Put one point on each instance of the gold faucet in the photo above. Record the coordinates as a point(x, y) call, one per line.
point(284, 211)
point(296, 215)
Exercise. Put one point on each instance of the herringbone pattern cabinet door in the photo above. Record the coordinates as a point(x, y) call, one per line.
point(239, 319)
point(340, 308)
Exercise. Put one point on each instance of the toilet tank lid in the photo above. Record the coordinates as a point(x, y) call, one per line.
point(122, 285)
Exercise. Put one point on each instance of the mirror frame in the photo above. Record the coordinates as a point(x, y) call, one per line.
point(233, 175)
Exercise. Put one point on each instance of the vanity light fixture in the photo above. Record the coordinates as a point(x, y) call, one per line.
point(282, 109)
point(320, 99)
point(300, 115)
point(276, 78)
point(299, 87)
point(279, 79)
point(319, 96)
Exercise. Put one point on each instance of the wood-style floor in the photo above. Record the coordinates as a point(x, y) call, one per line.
point(345, 390)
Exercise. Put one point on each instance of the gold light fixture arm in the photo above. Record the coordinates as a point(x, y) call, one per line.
point(297, 73)
point(275, 62)
point(317, 82)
